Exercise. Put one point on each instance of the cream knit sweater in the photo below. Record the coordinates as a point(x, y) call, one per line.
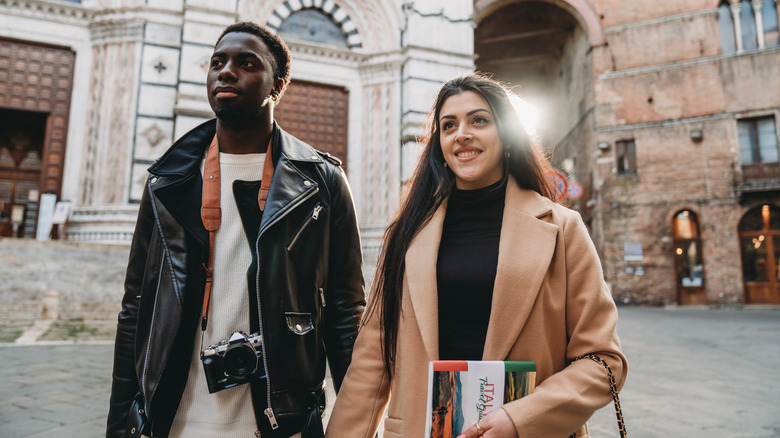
point(227, 413)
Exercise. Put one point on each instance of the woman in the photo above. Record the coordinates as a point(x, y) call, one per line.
point(480, 264)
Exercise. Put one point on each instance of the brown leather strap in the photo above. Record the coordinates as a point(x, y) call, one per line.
point(211, 212)
point(268, 175)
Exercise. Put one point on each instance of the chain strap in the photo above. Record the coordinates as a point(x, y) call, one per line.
point(613, 387)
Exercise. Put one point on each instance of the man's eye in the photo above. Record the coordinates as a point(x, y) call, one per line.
point(248, 64)
point(216, 62)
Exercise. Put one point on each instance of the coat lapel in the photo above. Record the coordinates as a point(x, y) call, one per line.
point(421, 258)
point(525, 251)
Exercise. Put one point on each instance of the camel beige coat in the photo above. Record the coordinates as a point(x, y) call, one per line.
point(550, 305)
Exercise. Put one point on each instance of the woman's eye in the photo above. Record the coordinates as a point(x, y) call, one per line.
point(447, 125)
point(480, 120)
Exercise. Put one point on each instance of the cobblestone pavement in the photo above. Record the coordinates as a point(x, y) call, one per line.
point(693, 373)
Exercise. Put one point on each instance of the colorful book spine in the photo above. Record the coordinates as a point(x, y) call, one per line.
point(462, 392)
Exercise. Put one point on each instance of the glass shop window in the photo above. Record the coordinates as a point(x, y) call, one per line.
point(687, 242)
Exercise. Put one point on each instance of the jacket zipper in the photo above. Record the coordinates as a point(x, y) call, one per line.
point(151, 327)
point(269, 412)
point(315, 214)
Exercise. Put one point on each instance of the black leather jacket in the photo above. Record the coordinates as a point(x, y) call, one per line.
point(309, 285)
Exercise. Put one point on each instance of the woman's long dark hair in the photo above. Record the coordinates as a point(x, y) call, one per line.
point(432, 182)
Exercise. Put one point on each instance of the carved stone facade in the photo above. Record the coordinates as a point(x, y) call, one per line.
point(139, 83)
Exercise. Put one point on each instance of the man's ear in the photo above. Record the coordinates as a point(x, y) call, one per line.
point(279, 87)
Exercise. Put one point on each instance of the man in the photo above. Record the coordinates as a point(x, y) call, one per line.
point(238, 290)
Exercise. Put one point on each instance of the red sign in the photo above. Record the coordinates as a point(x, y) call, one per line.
point(559, 185)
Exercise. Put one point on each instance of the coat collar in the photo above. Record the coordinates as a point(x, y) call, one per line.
point(185, 155)
point(180, 183)
point(525, 250)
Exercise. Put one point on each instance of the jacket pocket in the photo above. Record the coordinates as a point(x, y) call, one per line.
point(299, 323)
point(314, 215)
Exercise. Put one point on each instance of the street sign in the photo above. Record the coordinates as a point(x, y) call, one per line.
point(574, 191)
point(559, 185)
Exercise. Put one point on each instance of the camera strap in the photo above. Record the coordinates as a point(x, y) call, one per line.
point(211, 212)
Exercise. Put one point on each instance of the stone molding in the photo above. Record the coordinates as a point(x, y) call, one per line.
point(332, 55)
point(63, 12)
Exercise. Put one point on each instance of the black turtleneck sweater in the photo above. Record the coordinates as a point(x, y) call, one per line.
point(466, 269)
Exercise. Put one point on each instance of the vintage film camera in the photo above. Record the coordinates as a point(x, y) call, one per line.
point(233, 362)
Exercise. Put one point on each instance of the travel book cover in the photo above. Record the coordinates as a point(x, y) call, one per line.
point(462, 392)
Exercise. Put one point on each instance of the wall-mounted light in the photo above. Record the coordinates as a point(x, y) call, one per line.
point(603, 146)
point(697, 135)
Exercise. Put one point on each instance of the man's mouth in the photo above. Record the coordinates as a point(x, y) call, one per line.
point(221, 93)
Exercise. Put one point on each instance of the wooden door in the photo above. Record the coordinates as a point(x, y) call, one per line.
point(21, 151)
point(759, 235)
point(688, 259)
point(316, 114)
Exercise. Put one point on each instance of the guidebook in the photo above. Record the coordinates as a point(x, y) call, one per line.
point(462, 392)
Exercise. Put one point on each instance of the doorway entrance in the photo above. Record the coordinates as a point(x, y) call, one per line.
point(759, 236)
point(36, 81)
point(688, 260)
point(21, 150)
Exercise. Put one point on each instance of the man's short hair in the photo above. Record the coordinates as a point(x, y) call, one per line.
point(275, 44)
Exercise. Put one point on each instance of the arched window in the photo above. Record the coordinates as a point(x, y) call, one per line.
point(748, 21)
point(769, 15)
point(314, 26)
point(726, 23)
point(759, 236)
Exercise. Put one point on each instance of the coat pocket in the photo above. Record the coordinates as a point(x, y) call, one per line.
point(394, 427)
point(314, 215)
point(299, 323)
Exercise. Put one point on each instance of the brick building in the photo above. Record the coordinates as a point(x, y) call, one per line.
point(666, 114)
point(663, 115)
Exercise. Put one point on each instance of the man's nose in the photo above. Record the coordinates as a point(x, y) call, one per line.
point(227, 72)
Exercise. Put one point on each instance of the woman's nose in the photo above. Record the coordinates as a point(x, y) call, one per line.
point(463, 134)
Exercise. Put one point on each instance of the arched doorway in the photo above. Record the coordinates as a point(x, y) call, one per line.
point(759, 237)
point(543, 51)
point(688, 260)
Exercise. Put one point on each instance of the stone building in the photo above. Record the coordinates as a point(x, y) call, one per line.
point(662, 115)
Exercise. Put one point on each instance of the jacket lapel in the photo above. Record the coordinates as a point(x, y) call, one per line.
point(182, 198)
point(421, 258)
point(524, 255)
point(289, 186)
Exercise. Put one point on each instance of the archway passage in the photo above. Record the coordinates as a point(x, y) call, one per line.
point(542, 52)
point(759, 236)
point(316, 114)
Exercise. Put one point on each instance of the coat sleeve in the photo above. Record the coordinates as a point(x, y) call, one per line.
point(361, 403)
point(562, 403)
point(344, 294)
point(125, 383)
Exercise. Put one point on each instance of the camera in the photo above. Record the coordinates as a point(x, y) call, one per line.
point(233, 361)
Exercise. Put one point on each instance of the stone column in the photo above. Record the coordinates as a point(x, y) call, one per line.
point(757, 7)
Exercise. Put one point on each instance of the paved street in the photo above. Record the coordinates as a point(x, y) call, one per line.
point(693, 373)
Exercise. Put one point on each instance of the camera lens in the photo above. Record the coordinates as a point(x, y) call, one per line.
point(240, 361)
